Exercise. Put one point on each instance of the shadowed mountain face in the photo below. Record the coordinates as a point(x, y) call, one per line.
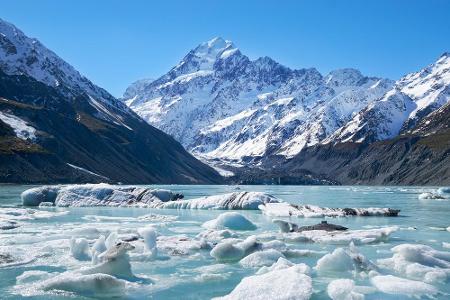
point(57, 126)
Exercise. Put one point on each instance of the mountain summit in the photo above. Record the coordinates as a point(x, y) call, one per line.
point(57, 126)
point(220, 104)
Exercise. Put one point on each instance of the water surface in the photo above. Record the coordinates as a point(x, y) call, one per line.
point(45, 241)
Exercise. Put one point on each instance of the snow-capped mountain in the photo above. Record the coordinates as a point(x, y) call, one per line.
point(22, 55)
point(220, 104)
point(56, 125)
point(411, 99)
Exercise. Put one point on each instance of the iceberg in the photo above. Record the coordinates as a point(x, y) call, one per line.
point(235, 200)
point(79, 248)
point(230, 220)
point(358, 237)
point(96, 195)
point(233, 250)
point(282, 284)
point(109, 195)
point(345, 289)
point(261, 258)
point(419, 262)
point(93, 285)
point(283, 209)
point(115, 262)
point(390, 284)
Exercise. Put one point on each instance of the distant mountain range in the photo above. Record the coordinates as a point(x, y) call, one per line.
point(253, 121)
point(263, 121)
point(57, 126)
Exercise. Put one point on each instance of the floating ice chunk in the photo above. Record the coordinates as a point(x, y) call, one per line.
point(13, 215)
point(110, 195)
point(284, 209)
point(230, 220)
point(446, 245)
point(85, 231)
point(111, 240)
point(281, 263)
point(337, 261)
point(97, 195)
point(98, 248)
point(419, 262)
point(158, 218)
point(180, 244)
point(358, 237)
point(343, 289)
point(432, 196)
point(217, 272)
point(216, 235)
point(399, 286)
point(288, 283)
point(79, 248)
point(93, 285)
point(115, 262)
point(236, 200)
point(261, 258)
point(45, 204)
point(32, 276)
point(227, 251)
point(344, 260)
point(149, 235)
point(35, 196)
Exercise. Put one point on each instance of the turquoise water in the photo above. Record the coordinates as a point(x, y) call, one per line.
point(42, 243)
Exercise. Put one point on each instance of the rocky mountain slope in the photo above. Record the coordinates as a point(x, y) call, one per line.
point(220, 104)
point(57, 126)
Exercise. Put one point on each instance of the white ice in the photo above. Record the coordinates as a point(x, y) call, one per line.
point(284, 209)
point(230, 220)
point(400, 286)
point(419, 262)
point(261, 258)
point(282, 284)
point(345, 289)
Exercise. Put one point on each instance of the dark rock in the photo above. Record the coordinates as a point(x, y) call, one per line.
point(324, 225)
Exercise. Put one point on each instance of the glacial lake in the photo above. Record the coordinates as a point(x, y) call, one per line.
point(39, 248)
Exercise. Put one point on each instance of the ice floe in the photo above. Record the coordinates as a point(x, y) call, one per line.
point(358, 237)
point(284, 209)
point(419, 262)
point(93, 285)
point(287, 283)
point(261, 258)
point(236, 200)
point(79, 248)
point(390, 284)
point(345, 289)
point(230, 220)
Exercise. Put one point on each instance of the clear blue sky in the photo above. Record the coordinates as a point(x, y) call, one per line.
point(116, 42)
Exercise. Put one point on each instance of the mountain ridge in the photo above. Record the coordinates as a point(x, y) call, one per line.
point(80, 133)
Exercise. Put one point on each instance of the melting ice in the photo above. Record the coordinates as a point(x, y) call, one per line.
point(203, 242)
